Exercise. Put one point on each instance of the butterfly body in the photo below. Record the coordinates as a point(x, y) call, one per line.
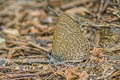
point(68, 42)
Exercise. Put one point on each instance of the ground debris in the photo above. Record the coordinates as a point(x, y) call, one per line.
point(26, 31)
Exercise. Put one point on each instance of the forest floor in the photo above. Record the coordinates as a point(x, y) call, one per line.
point(26, 34)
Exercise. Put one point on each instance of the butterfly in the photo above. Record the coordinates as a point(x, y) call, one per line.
point(69, 44)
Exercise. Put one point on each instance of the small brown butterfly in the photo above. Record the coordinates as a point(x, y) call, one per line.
point(68, 42)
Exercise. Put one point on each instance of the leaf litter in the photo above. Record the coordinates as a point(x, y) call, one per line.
point(26, 31)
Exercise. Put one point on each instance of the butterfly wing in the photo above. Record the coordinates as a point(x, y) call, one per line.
point(68, 41)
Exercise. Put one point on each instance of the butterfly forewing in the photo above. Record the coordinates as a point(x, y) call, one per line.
point(68, 41)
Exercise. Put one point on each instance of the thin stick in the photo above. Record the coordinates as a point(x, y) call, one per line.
point(55, 12)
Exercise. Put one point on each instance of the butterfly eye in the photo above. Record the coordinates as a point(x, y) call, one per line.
point(50, 53)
